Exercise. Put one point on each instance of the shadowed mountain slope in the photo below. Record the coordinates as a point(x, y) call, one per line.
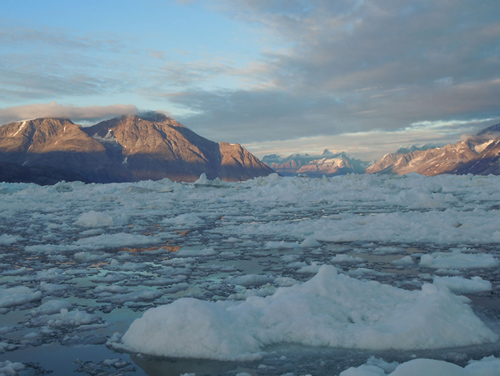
point(478, 154)
point(129, 148)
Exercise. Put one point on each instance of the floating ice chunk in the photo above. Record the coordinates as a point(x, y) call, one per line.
point(486, 367)
point(250, 280)
point(53, 288)
point(112, 289)
point(281, 245)
point(18, 295)
point(66, 319)
point(126, 266)
point(175, 288)
point(424, 197)
point(6, 239)
point(328, 310)
point(387, 250)
point(134, 296)
point(204, 182)
point(190, 252)
point(464, 285)
point(115, 240)
point(285, 281)
point(8, 368)
point(184, 220)
point(403, 261)
point(94, 219)
point(49, 248)
point(90, 256)
point(365, 271)
point(178, 261)
point(50, 274)
point(51, 307)
point(19, 271)
point(164, 281)
point(289, 258)
point(312, 269)
point(310, 242)
point(458, 260)
point(340, 258)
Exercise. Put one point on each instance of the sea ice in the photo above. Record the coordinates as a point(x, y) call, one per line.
point(6, 239)
point(403, 261)
point(458, 260)
point(66, 319)
point(8, 368)
point(341, 258)
point(94, 219)
point(115, 240)
point(14, 296)
point(489, 366)
point(329, 310)
point(463, 285)
point(250, 280)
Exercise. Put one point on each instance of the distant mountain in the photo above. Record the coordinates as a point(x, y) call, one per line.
point(478, 154)
point(486, 162)
point(327, 163)
point(416, 148)
point(494, 129)
point(129, 148)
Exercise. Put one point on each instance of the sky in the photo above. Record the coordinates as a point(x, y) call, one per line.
point(277, 76)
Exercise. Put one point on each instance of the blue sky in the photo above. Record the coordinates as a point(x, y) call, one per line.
point(361, 76)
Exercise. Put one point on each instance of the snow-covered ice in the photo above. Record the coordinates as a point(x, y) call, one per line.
point(328, 310)
point(248, 269)
point(489, 366)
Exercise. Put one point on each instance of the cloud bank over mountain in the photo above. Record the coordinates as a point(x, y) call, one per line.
point(269, 74)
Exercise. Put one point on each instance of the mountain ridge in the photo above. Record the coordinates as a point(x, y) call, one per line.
point(312, 165)
point(129, 148)
point(477, 154)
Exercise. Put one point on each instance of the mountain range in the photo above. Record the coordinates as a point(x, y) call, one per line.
point(478, 154)
point(129, 148)
point(154, 146)
point(325, 164)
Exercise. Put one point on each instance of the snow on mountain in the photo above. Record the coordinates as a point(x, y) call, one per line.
point(478, 155)
point(129, 148)
point(328, 164)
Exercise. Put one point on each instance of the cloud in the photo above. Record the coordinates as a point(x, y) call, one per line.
point(193, 73)
point(326, 69)
point(339, 71)
point(40, 110)
point(56, 63)
point(372, 145)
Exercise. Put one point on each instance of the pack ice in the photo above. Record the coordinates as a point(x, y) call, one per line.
point(331, 309)
point(224, 271)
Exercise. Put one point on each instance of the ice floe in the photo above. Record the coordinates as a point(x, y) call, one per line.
point(488, 366)
point(331, 309)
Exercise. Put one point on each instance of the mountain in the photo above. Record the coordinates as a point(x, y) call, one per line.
point(415, 148)
point(327, 163)
point(129, 148)
point(478, 154)
point(486, 162)
point(493, 130)
point(58, 144)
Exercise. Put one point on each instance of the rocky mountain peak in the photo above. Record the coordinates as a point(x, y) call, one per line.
point(479, 154)
point(128, 148)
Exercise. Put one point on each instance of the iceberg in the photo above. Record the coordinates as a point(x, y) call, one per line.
point(331, 309)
